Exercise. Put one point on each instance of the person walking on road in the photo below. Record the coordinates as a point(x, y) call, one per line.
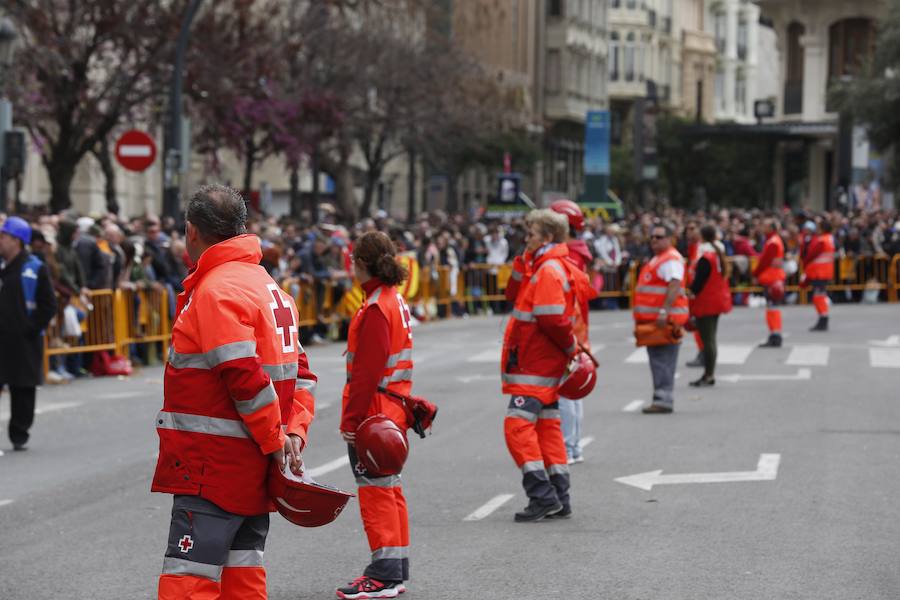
point(379, 366)
point(769, 272)
point(710, 297)
point(238, 395)
point(27, 304)
point(538, 346)
point(693, 239)
point(660, 300)
point(818, 271)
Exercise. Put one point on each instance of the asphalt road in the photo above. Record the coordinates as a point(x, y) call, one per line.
point(821, 520)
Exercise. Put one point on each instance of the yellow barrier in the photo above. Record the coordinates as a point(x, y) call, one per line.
point(142, 317)
point(98, 329)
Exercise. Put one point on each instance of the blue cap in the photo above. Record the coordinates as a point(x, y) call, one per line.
point(18, 228)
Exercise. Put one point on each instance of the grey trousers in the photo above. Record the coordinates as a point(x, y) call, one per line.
point(663, 360)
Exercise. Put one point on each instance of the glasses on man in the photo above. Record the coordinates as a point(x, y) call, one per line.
point(657, 237)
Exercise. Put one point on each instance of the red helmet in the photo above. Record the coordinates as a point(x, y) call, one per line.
point(572, 212)
point(776, 291)
point(580, 378)
point(304, 503)
point(381, 446)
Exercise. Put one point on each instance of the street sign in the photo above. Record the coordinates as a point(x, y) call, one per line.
point(135, 150)
point(766, 470)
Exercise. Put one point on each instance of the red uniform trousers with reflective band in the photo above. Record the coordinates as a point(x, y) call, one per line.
point(213, 554)
point(535, 441)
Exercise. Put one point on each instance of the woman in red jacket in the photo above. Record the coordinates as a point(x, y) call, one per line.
point(379, 356)
point(710, 297)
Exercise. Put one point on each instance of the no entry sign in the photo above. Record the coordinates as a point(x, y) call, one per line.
point(135, 150)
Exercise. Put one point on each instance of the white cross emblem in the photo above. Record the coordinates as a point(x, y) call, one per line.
point(185, 544)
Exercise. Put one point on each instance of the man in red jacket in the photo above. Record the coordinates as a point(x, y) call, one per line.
point(238, 394)
point(818, 271)
point(769, 272)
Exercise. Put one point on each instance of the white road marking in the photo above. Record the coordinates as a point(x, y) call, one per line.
point(733, 355)
point(585, 442)
point(471, 378)
point(329, 467)
point(638, 357)
point(892, 341)
point(489, 507)
point(766, 470)
point(41, 410)
point(633, 406)
point(885, 357)
point(120, 395)
point(802, 375)
point(491, 355)
point(5, 502)
point(809, 356)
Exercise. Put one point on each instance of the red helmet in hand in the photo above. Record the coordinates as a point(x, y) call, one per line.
point(571, 211)
point(775, 291)
point(381, 446)
point(304, 503)
point(580, 378)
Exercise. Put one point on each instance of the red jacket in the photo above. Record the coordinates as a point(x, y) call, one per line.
point(236, 381)
point(540, 338)
point(819, 259)
point(770, 267)
point(714, 298)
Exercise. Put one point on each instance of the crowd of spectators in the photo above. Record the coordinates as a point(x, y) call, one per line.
point(106, 251)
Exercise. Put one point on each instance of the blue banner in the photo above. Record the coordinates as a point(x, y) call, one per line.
point(596, 143)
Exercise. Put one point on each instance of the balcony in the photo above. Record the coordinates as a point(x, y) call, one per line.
point(793, 97)
point(651, 18)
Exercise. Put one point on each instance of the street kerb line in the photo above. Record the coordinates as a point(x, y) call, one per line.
point(489, 507)
point(329, 466)
point(41, 410)
point(633, 406)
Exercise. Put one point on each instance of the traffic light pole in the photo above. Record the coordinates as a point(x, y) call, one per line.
point(172, 152)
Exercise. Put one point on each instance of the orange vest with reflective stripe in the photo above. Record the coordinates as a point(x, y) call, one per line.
point(532, 363)
point(650, 291)
point(231, 384)
point(397, 374)
point(821, 268)
point(775, 271)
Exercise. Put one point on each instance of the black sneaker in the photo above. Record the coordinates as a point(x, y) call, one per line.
point(535, 512)
point(821, 325)
point(697, 362)
point(565, 513)
point(656, 409)
point(774, 341)
point(366, 587)
point(703, 382)
point(20, 447)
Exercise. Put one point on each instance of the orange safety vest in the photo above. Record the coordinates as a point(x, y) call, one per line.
point(231, 382)
point(715, 297)
point(398, 371)
point(821, 268)
point(532, 363)
point(775, 271)
point(650, 292)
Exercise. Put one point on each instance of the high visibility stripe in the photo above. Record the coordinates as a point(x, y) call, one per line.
point(391, 481)
point(558, 469)
point(558, 267)
point(516, 276)
point(536, 380)
point(266, 396)
point(213, 358)
point(823, 259)
point(549, 309)
point(244, 558)
point(179, 566)
point(281, 372)
point(393, 359)
point(518, 413)
point(549, 413)
point(571, 349)
point(532, 466)
point(306, 384)
point(396, 376)
point(374, 297)
point(651, 289)
point(201, 424)
point(675, 310)
point(522, 315)
point(390, 552)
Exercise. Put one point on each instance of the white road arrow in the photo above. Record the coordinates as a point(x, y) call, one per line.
point(892, 341)
point(802, 375)
point(766, 470)
point(471, 378)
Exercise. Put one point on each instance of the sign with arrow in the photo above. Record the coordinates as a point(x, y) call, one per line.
point(802, 375)
point(766, 470)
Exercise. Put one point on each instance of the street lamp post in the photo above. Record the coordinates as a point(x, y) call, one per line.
point(172, 153)
point(8, 38)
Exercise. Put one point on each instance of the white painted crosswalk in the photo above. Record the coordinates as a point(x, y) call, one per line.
point(887, 358)
point(799, 355)
point(809, 355)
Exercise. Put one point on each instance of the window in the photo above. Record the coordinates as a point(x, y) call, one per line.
point(615, 4)
point(614, 50)
point(629, 57)
point(720, 89)
point(740, 92)
point(631, 4)
point(793, 82)
point(553, 72)
point(555, 8)
point(720, 27)
point(850, 45)
point(742, 39)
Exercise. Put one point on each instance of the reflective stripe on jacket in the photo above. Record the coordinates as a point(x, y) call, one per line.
point(650, 291)
point(539, 337)
point(236, 381)
point(821, 266)
point(771, 264)
point(715, 297)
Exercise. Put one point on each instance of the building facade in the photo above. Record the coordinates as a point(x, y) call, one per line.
point(734, 25)
point(698, 62)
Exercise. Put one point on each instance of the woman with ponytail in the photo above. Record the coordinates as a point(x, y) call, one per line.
point(710, 297)
point(379, 368)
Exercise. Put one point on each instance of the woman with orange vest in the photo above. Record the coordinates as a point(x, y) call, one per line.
point(769, 272)
point(818, 271)
point(238, 394)
point(537, 347)
point(659, 298)
point(379, 356)
point(710, 297)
